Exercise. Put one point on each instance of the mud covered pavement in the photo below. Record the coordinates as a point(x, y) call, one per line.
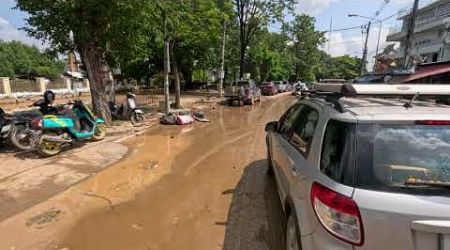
point(196, 187)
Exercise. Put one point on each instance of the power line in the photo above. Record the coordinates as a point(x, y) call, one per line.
point(344, 29)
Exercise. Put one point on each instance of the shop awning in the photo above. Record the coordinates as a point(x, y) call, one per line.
point(427, 71)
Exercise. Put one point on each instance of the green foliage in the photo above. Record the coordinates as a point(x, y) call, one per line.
point(253, 16)
point(19, 59)
point(305, 46)
point(268, 59)
point(342, 67)
point(193, 29)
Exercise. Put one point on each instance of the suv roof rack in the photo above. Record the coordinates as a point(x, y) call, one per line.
point(384, 89)
point(333, 92)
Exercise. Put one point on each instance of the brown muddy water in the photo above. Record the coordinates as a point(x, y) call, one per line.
point(196, 187)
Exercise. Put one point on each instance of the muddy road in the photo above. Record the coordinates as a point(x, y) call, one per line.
point(196, 187)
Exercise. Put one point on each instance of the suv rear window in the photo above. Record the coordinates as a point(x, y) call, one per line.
point(404, 158)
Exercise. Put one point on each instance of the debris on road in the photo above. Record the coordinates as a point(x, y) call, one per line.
point(44, 218)
point(151, 166)
point(201, 117)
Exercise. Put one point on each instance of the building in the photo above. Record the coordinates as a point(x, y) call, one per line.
point(431, 39)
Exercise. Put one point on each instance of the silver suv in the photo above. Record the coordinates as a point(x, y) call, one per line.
point(355, 170)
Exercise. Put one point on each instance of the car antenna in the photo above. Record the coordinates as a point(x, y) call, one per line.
point(409, 104)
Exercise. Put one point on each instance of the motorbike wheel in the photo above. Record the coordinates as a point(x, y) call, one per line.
point(48, 148)
point(22, 137)
point(99, 133)
point(137, 118)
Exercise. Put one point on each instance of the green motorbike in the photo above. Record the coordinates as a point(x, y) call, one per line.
point(59, 131)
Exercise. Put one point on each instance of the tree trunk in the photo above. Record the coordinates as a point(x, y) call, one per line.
point(98, 78)
point(222, 59)
point(243, 49)
point(242, 62)
point(166, 76)
point(176, 74)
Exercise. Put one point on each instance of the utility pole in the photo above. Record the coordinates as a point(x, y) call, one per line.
point(410, 34)
point(364, 59)
point(222, 58)
point(378, 47)
point(329, 35)
point(166, 67)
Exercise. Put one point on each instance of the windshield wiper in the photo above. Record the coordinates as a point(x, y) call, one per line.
point(434, 184)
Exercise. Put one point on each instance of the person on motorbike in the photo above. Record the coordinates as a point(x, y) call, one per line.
point(46, 105)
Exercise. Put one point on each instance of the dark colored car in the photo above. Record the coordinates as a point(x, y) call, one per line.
point(269, 88)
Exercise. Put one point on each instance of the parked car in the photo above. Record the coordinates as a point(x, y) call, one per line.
point(282, 86)
point(243, 92)
point(352, 176)
point(269, 88)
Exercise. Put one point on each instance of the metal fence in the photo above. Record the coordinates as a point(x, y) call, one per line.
point(77, 84)
point(143, 96)
point(23, 85)
point(55, 84)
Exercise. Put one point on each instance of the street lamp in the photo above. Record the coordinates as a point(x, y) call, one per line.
point(368, 30)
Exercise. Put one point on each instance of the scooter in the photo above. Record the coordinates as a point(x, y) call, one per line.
point(129, 111)
point(59, 131)
point(21, 135)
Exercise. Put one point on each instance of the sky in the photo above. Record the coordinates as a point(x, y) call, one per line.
point(339, 43)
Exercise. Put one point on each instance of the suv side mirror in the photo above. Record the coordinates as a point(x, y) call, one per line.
point(272, 127)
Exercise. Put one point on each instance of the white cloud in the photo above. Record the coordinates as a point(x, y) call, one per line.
point(314, 7)
point(343, 43)
point(10, 33)
point(340, 43)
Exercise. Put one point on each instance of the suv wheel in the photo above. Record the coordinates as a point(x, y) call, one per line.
point(292, 233)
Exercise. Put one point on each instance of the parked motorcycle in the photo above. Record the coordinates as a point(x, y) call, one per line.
point(22, 136)
point(128, 111)
point(5, 126)
point(58, 131)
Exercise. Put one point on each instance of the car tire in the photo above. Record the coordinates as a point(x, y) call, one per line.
point(293, 240)
point(270, 171)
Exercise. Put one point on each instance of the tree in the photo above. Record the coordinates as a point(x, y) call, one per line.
point(19, 59)
point(269, 57)
point(252, 16)
point(305, 46)
point(97, 27)
point(341, 67)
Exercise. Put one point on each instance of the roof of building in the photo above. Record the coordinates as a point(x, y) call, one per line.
point(424, 71)
point(426, 7)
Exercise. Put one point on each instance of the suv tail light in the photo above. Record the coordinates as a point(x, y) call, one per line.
point(338, 214)
point(433, 123)
point(36, 124)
